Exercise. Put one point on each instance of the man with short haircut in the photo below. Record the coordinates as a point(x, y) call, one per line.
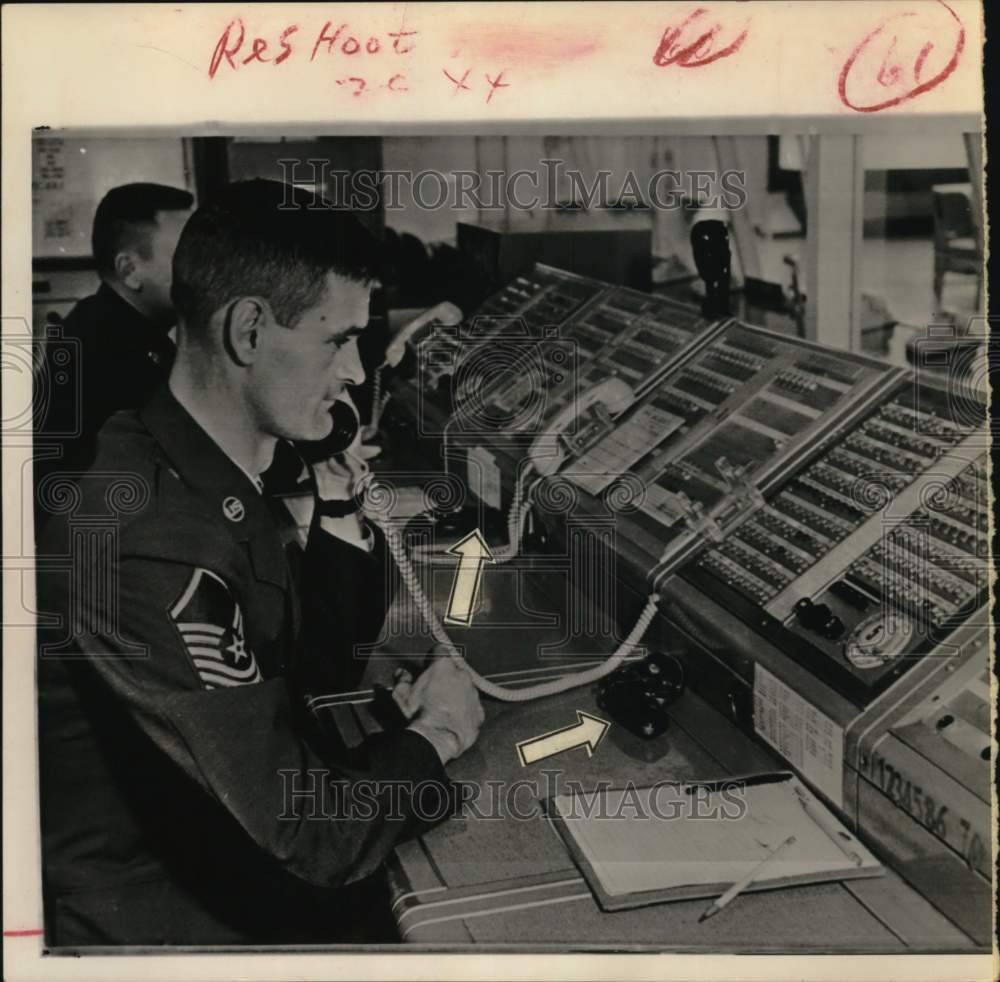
point(121, 331)
point(193, 790)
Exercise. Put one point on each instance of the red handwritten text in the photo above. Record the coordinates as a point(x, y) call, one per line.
point(685, 47)
point(494, 84)
point(890, 64)
point(340, 39)
point(230, 44)
point(357, 85)
point(235, 47)
point(459, 82)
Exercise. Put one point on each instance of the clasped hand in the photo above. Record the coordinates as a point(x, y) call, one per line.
point(443, 705)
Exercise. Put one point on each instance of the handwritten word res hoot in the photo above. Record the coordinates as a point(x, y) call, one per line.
point(237, 47)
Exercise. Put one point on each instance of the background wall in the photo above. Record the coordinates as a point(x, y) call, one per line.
point(71, 175)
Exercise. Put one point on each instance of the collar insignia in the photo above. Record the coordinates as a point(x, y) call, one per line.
point(233, 509)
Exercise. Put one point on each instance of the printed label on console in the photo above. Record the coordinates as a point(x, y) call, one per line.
point(811, 742)
point(624, 446)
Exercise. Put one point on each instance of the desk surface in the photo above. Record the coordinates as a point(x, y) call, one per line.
point(511, 881)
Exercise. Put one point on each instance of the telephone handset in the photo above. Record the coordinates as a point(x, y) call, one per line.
point(344, 432)
point(444, 313)
point(594, 413)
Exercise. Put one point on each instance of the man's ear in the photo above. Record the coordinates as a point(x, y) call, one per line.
point(244, 321)
point(127, 271)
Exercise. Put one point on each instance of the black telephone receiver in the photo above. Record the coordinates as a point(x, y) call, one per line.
point(344, 432)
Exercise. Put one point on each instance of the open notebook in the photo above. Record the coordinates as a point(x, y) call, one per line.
point(678, 842)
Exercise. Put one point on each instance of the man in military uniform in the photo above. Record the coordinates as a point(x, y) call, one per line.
point(173, 688)
point(121, 332)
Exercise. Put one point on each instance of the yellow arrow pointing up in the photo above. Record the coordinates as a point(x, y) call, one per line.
point(474, 553)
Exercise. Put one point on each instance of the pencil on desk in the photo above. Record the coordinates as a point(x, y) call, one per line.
point(740, 885)
point(819, 816)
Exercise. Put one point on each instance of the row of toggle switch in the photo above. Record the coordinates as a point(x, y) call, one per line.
point(732, 574)
point(795, 381)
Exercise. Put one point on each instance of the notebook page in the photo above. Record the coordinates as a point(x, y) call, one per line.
point(640, 845)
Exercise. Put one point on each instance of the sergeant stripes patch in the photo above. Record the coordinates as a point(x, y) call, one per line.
point(210, 624)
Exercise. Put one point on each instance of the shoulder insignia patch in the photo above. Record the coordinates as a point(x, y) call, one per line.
point(210, 623)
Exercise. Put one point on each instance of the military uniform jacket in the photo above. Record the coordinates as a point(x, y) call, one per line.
point(106, 356)
point(172, 684)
